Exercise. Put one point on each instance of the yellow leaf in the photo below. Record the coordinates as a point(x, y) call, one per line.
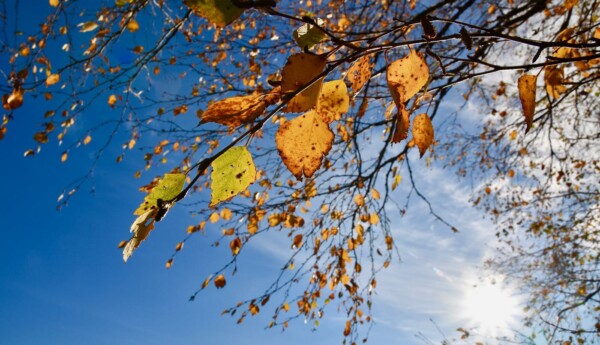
point(166, 189)
point(302, 143)
point(234, 111)
point(232, 173)
point(218, 12)
point(53, 3)
point(140, 228)
point(133, 25)
point(64, 157)
point(226, 214)
point(359, 73)
point(88, 26)
point(333, 101)
point(422, 132)
point(407, 76)
point(87, 139)
point(112, 100)
point(359, 200)
point(373, 218)
point(298, 71)
point(214, 217)
point(527, 88)
point(375, 194)
point(52, 79)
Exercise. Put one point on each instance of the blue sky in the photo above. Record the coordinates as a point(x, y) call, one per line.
point(63, 281)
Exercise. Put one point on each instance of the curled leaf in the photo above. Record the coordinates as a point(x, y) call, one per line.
point(422, 132)
point(527, 89)
point(234, 111)
point(140, 228)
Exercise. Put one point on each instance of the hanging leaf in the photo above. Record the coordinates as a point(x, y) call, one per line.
point(220, 281)
point(166, 189)
point(422, 132)
point(333, 101)
point(553, 77)
point(298, 71)
point(232, 173)
point(235, 245)
point(401, 125)
point(527, 89)
point(234, 111)
point(218, 12)
point(303, 142)
point(407, 76)
point(308, 35)
point(359, 73)
point(140, 228)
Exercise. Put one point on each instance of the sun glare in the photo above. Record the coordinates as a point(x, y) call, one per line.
point(491, 307)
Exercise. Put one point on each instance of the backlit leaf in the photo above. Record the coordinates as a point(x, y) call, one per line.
point(234, 111)
point(422, 132)
point(407, 76)
point(232, 173)
point(307, 36)
point(14, 100)
point(53, 3)
point(218, 12)
point(166, 189)
point(527, 89)
point(235, 245)
point(359, 73)
point(333, 101)
point(303, 142)
point(298, 71)
point(140, 228)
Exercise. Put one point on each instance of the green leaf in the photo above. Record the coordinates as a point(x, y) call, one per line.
point(307, 36)
point(219, 12)
point(167, 188)
point(232, 173)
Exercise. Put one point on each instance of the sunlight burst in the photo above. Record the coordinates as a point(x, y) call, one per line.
point(491, 307)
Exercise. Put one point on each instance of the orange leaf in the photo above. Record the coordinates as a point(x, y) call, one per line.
point(407, 76)
point(402, 124)
point(333, 101)
point(359, 73)
point(298, 71)
point(52, 79)
point(235, 245)
point(302, 143)
point(234, 111)
point(422, 132)
point(220, 281)
point(527, 88)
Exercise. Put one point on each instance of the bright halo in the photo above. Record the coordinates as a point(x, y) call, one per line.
point(491, 307)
